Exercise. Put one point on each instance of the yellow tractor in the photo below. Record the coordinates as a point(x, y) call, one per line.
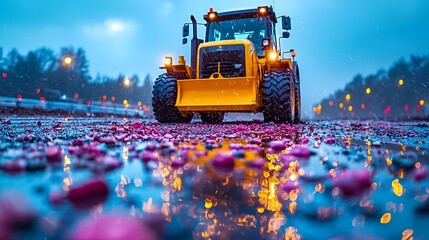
point(238, 68)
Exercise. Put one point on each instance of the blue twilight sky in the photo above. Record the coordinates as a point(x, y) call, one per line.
point(334, 39)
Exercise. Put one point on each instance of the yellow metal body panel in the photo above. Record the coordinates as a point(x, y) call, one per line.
point(238, 94)
point(218, 94)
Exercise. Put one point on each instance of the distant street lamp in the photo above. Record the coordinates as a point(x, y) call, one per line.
point(127, 82)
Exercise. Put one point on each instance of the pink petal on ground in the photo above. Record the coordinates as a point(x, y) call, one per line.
point(53, 154)
point(88, 194)
point(303, 152)
point(149, 156)
point(304, 140)
point(290, 186)
point(277, 145)
point(16, 210)
point(353, 183)
point(330, 140)
point(137, 125)
point(224, 160)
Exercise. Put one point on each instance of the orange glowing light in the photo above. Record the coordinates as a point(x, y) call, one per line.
point(67, 60)
point(212, 15)
point(127, 82)
point(385, 218)
point(319, 107)
point(292, 233)
point(407, 234)
point(139, 104)
point(368, 90)
point(315, 109)
point(341, 105)
point(208, 203)
point(104, 97)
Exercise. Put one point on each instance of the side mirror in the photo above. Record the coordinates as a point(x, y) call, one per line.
point(185, 31)
point(184, 40)
point(286, 24)
point(266, 43)
point(286, 34)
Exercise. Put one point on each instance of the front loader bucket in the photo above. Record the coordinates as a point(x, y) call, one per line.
point(217, 94)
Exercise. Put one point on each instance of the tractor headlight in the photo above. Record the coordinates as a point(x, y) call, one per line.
point(263, 11)
point(168, 61)
point(273, 55)
point(211, 16)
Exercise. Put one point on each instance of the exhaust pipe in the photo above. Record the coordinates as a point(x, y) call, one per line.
point(195, 42)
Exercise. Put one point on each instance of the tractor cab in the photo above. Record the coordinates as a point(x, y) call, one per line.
point(238, 67)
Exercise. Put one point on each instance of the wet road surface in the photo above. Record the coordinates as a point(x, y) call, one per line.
point(64, 178)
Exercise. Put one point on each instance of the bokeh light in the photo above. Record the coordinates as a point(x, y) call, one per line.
point(67, 60)
point(368, 90)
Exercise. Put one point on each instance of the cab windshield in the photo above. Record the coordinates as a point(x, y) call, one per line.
point(253, 29)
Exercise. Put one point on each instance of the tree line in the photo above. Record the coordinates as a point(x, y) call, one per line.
point(64, 76)
point(401, 92)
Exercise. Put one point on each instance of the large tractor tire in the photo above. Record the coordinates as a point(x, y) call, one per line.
point(297, 114)
point(212, 117)
point(164, 96)
point(278, 98)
